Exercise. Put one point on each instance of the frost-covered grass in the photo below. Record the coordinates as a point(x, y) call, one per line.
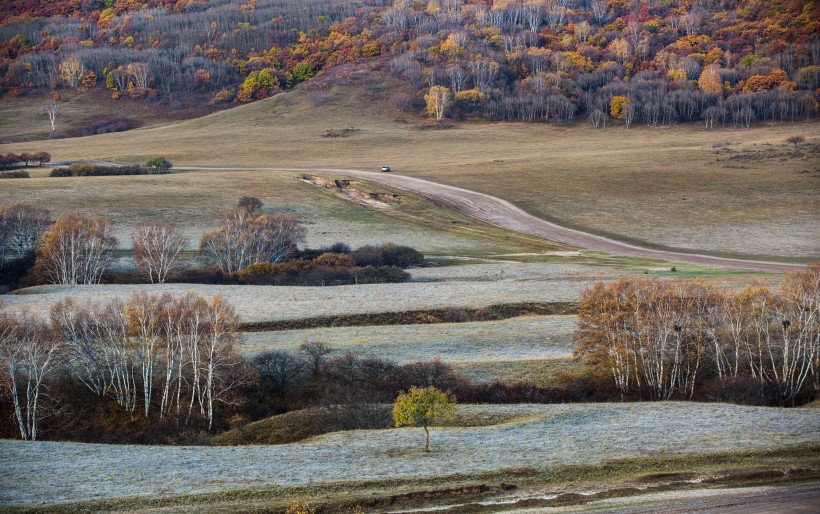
point(537, 436)
point(523, 338)
point(467, 286)
point(506, 271)
point(264, 303)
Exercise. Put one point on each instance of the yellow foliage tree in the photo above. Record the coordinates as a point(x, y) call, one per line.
point(438, 98)
point(617, 106)
point(75, 250)
point(423, 407)
point(471, 98)
point(72, 70)
point(709, 81)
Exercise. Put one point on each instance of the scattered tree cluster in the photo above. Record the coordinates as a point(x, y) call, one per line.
point(167, 51)
point(250, 247)
point(245, 238)
point(664, 340)
point(652, 62)
point(26, 159)
point(157, 165)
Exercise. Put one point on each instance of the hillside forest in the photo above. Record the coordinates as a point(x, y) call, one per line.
point(654, 62)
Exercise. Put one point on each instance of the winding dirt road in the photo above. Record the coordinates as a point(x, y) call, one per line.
point(503, 214)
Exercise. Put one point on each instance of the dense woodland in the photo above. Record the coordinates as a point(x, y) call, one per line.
point(643, 61)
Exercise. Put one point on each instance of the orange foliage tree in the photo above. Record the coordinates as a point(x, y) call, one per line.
point(75, 250)
point(663, 338)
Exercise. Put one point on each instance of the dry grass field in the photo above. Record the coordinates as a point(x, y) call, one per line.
point(724, 191)
point(528, 437)
point(195, 200)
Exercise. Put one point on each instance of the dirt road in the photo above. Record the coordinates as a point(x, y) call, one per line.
point(503, 214)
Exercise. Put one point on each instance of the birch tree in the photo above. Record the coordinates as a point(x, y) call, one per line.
point(144, 314)
point(76, 250)
point(22, 225)
point(798, 330)
point(28, 354)
point(602, 318)
point(438, 98)
point(72, 70)
point(3, 235)
point(243, 239)
point(218, 356)
point(157, 245)
point(88, 361)
point(51, 110)
point(141, 73)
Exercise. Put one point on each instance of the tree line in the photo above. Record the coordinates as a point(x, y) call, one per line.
point(163, 355)
point(248, 247)
point(154, 166)
point(670, 339)
point(12, 160)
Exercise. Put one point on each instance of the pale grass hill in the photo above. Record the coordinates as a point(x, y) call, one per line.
point(752, 195)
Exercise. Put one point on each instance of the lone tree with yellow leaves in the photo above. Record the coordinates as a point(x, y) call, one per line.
point(438, 98)
point(423, 407)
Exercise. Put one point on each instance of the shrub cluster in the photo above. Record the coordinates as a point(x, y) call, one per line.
point(84, 169)
point(14, 174)
point(387, 255)
point(326, 269)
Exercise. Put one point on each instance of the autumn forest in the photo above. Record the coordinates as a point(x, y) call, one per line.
point(652, 62)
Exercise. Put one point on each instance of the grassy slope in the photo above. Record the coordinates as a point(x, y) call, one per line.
point(195, 199)
point(22, 119)
point(663, 186)
point(529, 347)
point(542, 439)
point(264, 303)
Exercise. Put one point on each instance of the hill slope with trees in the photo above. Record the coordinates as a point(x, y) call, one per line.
point(653, 61)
